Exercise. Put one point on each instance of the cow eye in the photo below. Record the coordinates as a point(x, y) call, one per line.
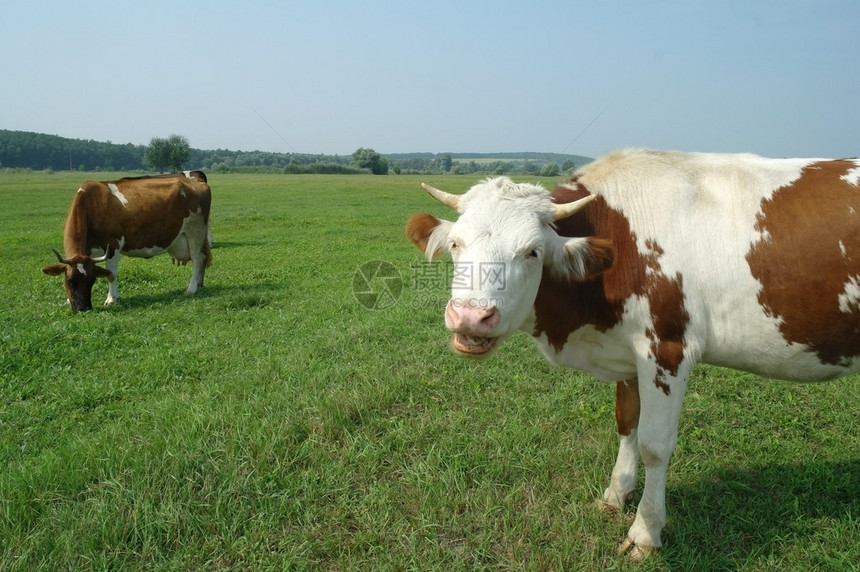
point(533, 253)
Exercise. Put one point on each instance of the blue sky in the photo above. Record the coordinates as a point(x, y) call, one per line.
point(774, 78)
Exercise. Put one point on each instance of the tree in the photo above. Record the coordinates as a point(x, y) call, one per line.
point(550, 170)
point(180, 151)
point(446, 162)
point(370, 159)
point(156, 154)
point(530, 167)
point(171, 152)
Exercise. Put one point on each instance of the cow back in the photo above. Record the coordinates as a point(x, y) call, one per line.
point(133, 213)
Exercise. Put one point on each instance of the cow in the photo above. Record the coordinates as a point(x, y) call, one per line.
point(648, 262)
point(137, 216)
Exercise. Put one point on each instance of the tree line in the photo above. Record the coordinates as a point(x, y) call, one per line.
point(22, 149)
point(36, 151)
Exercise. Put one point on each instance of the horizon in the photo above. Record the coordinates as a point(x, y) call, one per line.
point(467, 154)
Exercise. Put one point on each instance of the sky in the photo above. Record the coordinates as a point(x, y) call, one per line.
point(775, 78)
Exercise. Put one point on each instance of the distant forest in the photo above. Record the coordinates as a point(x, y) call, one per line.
point(37, 151)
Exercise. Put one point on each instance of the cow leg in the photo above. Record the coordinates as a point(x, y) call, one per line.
point(198, 269)
point(661, 396)
point(623, 481)
point(112, 264)
point(199, 256)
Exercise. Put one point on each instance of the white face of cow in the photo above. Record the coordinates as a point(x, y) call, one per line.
point(499, 245)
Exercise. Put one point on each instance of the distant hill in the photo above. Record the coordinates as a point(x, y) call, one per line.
point(537, 157)
point(38, 151)
point(530, 163)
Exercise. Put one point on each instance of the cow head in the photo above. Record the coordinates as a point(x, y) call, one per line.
point(500, 245)
point(79, 274)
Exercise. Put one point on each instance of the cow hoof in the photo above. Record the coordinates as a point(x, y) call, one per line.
point(607, 508)
point(635, 552)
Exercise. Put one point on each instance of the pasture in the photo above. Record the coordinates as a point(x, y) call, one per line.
point(277, 420)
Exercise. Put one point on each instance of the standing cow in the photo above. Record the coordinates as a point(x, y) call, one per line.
point(143, 217)
point(649, 262)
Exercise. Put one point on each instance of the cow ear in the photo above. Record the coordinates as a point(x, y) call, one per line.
point(54, 269)
point(429, 234)
point(104, 273)
point(582, 258)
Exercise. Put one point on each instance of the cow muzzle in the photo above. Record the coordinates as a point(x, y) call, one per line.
point(472, 327)
point(80, 305)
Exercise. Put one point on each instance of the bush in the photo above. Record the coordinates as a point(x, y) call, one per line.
point(550, 170)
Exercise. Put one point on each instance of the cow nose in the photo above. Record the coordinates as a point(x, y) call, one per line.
point(490, 318)
point(466, 319)
point(81, 307)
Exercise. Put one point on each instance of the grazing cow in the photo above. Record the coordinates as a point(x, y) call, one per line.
point(143, 217)
point(732, 260)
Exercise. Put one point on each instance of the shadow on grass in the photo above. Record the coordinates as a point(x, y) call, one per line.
point(738, 514)
point(227, 244)
point(233, 297)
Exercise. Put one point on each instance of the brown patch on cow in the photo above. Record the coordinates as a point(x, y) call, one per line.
point(670, 319)
point(562, 307)
point(809, 256)
point(627, 406)
point(419, 227)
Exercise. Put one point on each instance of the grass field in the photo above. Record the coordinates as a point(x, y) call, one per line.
point(273, 421)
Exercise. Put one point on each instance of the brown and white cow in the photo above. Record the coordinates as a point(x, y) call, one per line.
point(142, 217)
point(677, 258)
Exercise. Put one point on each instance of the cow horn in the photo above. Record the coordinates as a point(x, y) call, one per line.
point(447, 199)
point(60, 258)
point(105, 256)
point(566, 209)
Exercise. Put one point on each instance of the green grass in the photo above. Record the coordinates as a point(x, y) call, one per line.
point(273, 422)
